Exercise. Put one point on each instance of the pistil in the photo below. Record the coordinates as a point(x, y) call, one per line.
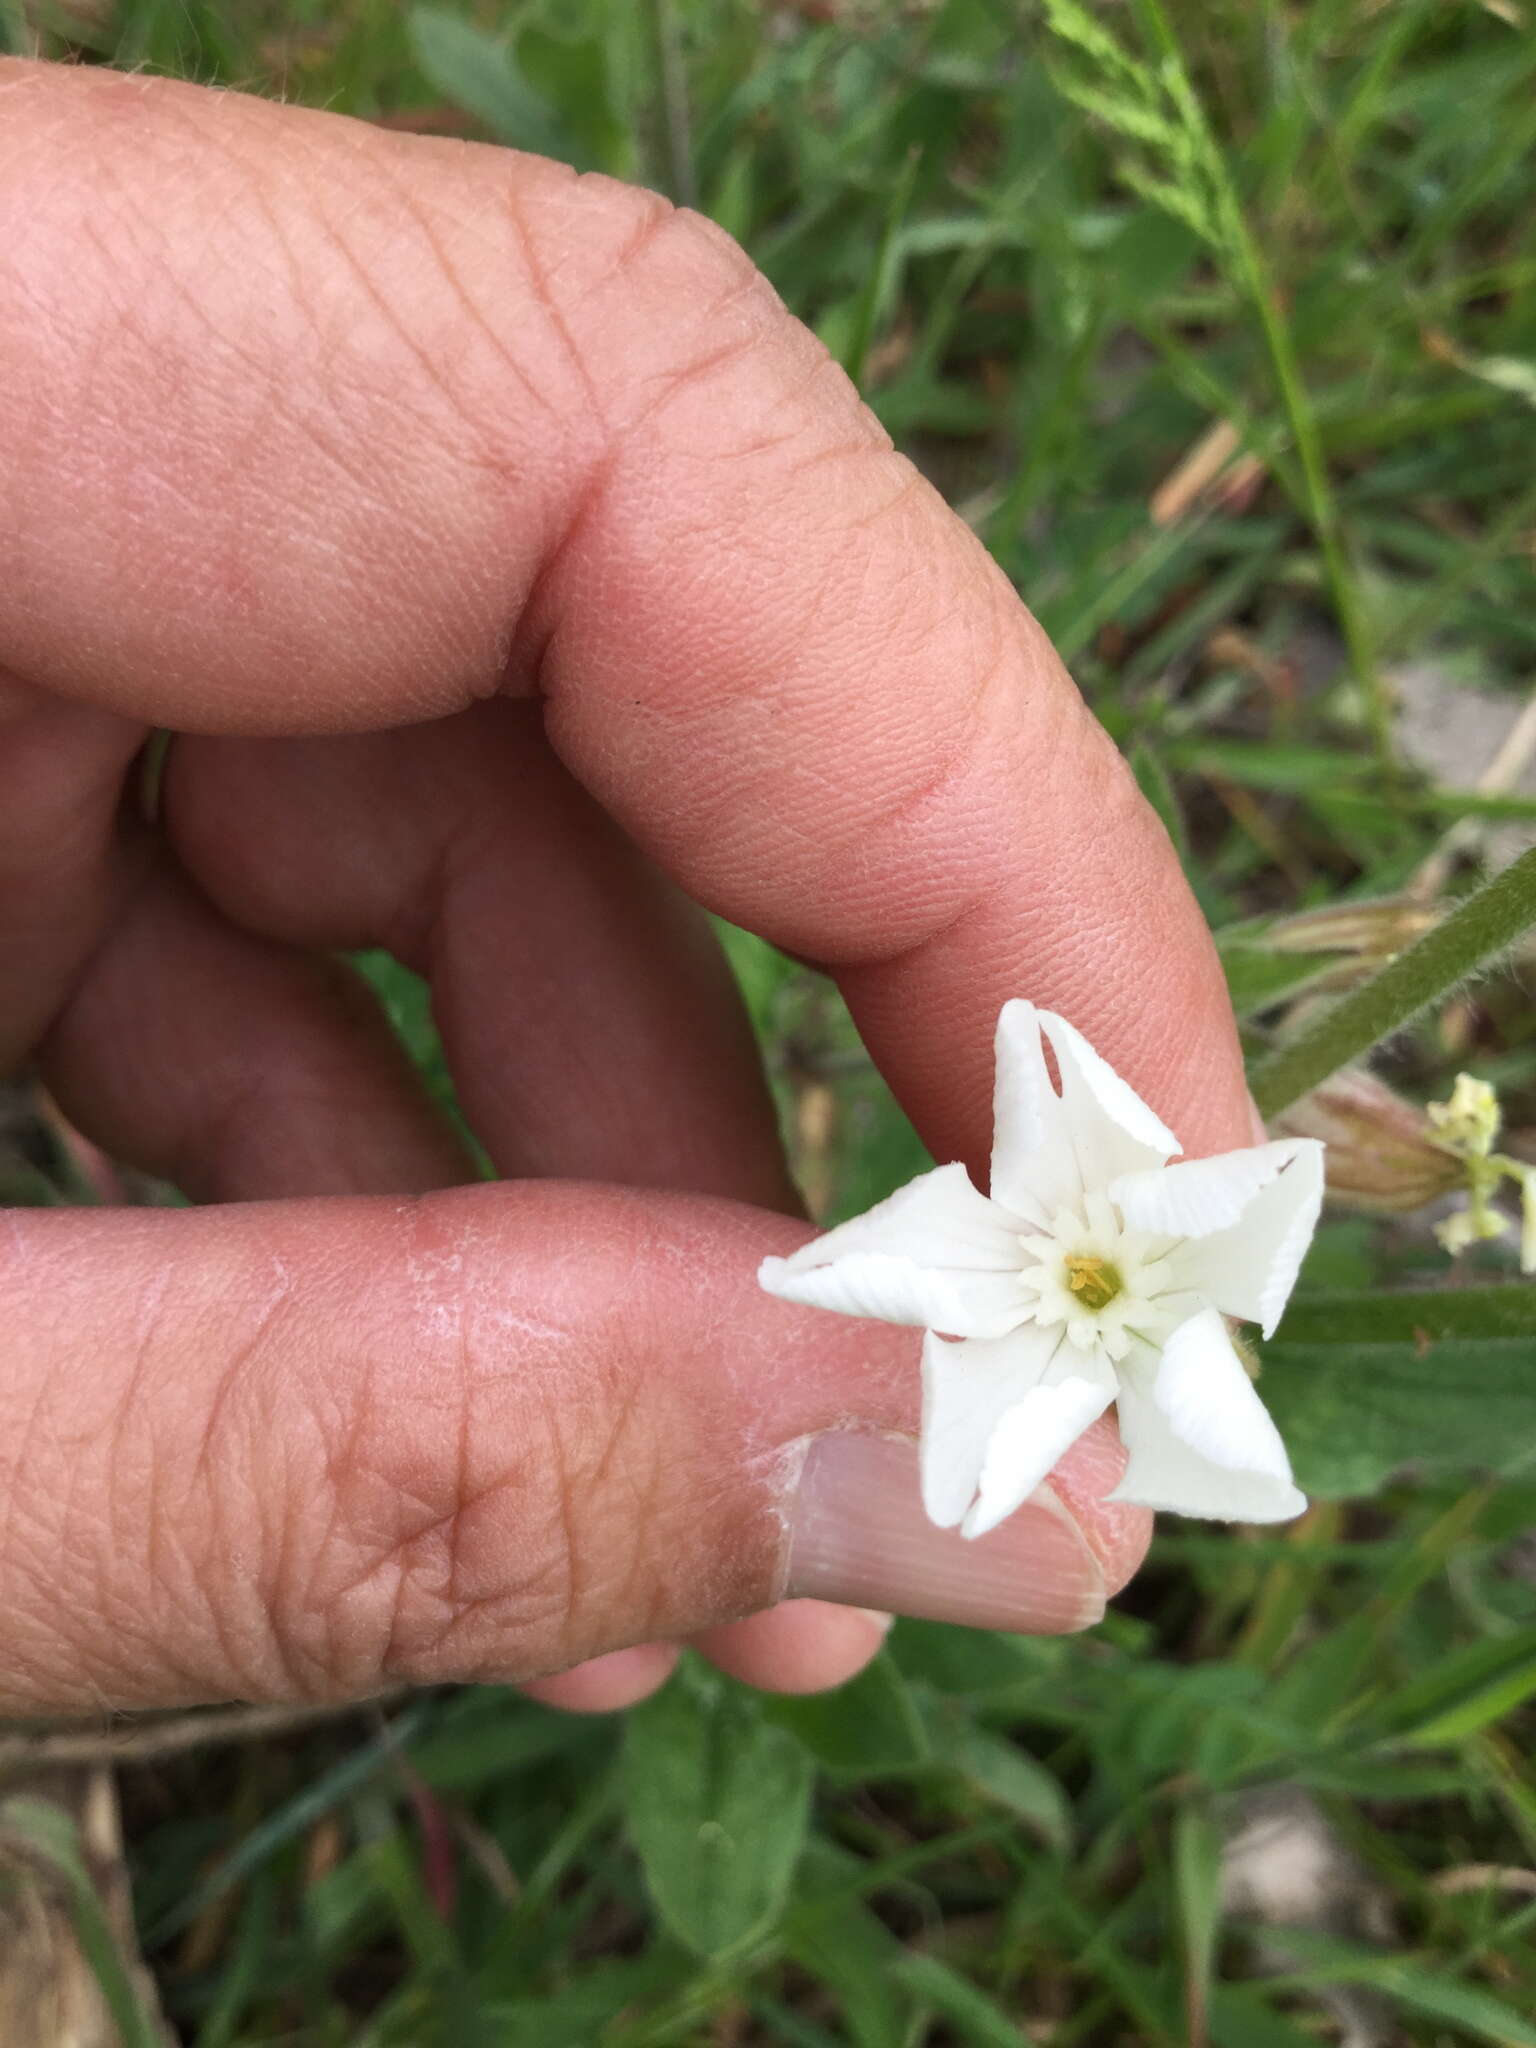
point(1094, 1281)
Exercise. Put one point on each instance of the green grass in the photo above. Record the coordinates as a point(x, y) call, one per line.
point(1054, 264)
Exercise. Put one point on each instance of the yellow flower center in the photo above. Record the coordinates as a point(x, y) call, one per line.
point(1094, 1281)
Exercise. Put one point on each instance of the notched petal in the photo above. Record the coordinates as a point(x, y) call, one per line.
point(1052, 1147)
point(1090, 1084)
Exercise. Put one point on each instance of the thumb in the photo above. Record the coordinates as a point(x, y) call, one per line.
point(477, 1435)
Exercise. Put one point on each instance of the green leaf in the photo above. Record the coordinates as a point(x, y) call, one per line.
point(478, 72)
point(761, 972)
point(883, 273)
point(973, 2016)
point(848, 1947)
point(1463, 1692)
point(1361, 1385)
point(571, 75)
point(1475, 934)
point(1293, 770)
point(576, 2014)
point(1240, 2018)
point(1425, 1318)
point(293, 1818)
point(486, 1735)
point(868, 1728)
point(1384, 1781)
point(1197, 1888)
point(1440, 1997)
point(1000, 1772)
point(716, 1800)
point(975, 1662)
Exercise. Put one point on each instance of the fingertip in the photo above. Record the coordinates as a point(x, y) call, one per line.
point(607, 1684)
point(797, 1647)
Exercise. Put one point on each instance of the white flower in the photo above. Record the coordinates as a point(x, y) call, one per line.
point(1096, 1272)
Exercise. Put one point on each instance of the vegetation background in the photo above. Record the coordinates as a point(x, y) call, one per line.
point(1217, 320)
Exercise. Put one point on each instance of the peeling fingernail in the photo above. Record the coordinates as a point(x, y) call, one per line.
point(860, 1537)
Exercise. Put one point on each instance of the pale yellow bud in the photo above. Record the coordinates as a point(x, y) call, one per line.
point(1468, 1227)
point(1469, 1122)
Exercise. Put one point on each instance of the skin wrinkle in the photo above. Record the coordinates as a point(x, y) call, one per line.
point(955, 765)
point(199, 312)
point(415, 1570)
point(696, 370)
point(559, 417)
point(311, 1601)
point(431, 370)
point(127, 318)
point(223, 1445)
point(253, 366)
point(29, 1554)
point(314, 1529)
point(543, 297)
point(538, 638)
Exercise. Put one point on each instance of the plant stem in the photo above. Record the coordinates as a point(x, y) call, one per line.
point(1475, 933)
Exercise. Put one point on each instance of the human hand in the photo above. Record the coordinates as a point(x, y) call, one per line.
point(512, 570)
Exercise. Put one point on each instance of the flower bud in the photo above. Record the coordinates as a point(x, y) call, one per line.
point(1382, 1153)
point(1464, 1228)
point(1469, 1122)
point(1372, 931)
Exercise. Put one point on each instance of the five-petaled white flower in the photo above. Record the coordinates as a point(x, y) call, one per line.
point(1096, 1272)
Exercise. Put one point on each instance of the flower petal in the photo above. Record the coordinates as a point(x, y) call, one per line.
point(967, 1388)
point(1048, 1150)
point(1250, 1268)
point(901, 1291)
point(1196, 1196)
point(939, 1219)
point(1032, 1436)
point(1198, 1438)
point(936, 1254)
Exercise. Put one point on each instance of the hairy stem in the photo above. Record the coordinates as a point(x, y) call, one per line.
point(1477, 932)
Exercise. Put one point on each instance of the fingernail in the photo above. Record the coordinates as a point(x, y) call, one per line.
point(860, 1537)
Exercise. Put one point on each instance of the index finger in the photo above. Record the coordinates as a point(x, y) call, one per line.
point(305, 427)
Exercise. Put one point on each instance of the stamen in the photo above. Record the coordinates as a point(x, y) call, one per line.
point(1093, 1280)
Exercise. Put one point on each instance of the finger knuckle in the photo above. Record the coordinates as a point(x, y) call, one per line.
point(487, 1530)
